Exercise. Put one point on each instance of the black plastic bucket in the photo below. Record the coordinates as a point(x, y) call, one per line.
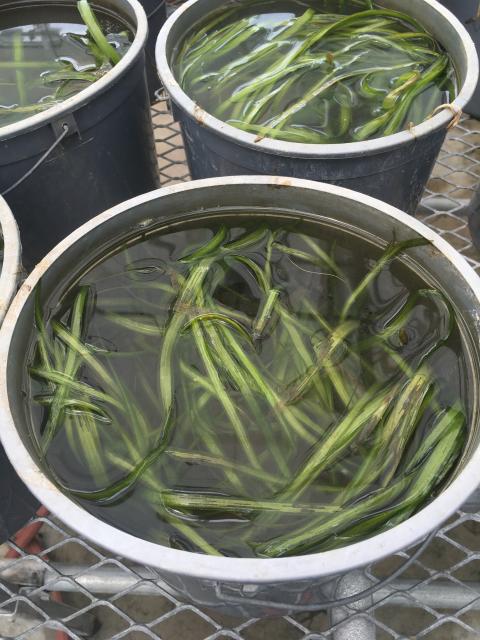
point(253, 587)
point(156, 11)
point(467, 11)
point(17, 504)
point(393, 168)
point(99, 146)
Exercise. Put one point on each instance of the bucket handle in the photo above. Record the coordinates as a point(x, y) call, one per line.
point(159, 6)
point(65, 130)
point(322, 606)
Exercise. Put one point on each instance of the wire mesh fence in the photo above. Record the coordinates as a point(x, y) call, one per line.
point(64, 587)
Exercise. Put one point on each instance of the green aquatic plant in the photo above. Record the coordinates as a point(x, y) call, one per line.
point(260, 392)
point(314, 75)
point(42, 65)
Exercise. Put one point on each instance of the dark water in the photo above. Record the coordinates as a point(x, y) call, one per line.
point(38, 47)
point(253, 67)
point(133, 299)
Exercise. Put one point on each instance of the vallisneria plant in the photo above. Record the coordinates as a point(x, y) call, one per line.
point(34, 83)
point(312, 76)
point(264, 392)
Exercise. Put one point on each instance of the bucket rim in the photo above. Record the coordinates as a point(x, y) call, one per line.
point(303, 150)
point(195, 565)
point(11, 266)
point(83, 97)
